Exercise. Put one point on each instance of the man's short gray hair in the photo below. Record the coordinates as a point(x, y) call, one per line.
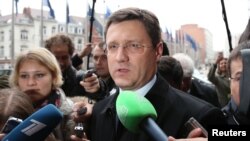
point(186, 62)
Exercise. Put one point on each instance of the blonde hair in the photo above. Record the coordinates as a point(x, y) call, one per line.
point(42, 56)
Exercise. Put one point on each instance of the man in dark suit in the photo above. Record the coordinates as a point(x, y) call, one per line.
point(171, 70)
point(195, 86)
point(204, 91)
point(134, 47)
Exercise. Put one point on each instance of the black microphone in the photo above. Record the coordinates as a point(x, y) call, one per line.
point(135, 112)
point(244, 106)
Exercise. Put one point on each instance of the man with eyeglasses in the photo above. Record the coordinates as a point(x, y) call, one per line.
point(235, 67)
point(134, 47)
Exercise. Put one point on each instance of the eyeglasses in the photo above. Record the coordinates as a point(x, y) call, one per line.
point(130, 47)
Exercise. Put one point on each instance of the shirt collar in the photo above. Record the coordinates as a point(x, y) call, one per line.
point(145, 89)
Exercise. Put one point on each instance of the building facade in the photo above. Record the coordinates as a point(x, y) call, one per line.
point(28, 33)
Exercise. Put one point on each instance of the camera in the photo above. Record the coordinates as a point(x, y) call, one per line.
point(79, 130)
point(89, 73)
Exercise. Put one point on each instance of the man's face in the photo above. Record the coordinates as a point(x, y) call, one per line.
point(236, 70)
point(100, 62)
point(62, 55)
point(131, 69)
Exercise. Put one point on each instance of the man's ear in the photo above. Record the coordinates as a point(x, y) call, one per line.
point(159, 51)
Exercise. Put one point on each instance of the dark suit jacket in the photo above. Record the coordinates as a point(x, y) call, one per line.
point(69, 81)
point(173, 108)
point(233, 116)
point(204, 91)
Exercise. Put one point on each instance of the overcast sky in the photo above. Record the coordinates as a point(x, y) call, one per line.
point(171, 13)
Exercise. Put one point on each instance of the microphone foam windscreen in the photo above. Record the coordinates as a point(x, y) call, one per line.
point(132, 108)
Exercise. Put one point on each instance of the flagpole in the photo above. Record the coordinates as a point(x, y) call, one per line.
point(13, 34)
point(41, 30)
point(104, 20)
point(86, 24)
point(67, 16)
point(92, 18)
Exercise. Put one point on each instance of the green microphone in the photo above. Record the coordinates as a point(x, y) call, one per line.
point(136, 113)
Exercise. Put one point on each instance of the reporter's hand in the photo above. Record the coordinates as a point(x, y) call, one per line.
point(195, 135)
point(84, 117)
point(219, 57)
point(1, 136)
point(170, 138)
point(86, 50)
point(197, 132)
point(91, 84)
point(75, 138)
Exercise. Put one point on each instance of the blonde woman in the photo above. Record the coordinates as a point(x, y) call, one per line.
point(37, 74)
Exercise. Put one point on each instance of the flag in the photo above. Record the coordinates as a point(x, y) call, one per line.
point(177, 39)
point(108, 12)
point(98, 26)
point(89, 13)
point(16, 7)
point(171, 36)
point(51, 11)
point(67, 13)
point(191, 40)
point(167, 34)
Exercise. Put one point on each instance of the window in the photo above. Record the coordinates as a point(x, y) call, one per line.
point(24, 35)
point(79, 31)
point(1, 51)
point(61, 29)
point(79, 47)
point(23, 48)
point(79, 44)
point(1, 36)
point(53, 30)
point(79, 41)
point(10, 51)
point(10, 35)
point(44, 30)
point(75, 30)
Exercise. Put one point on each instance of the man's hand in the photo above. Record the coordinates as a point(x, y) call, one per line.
point(219, 57)
point(197, 132)
point(188, 139)
point(82, 117)
point(194, 135)
point(91, 84)
point(1, 136)
point(86, 50)
point(75, 138)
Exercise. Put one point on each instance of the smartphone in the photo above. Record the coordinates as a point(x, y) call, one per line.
point(10, 124)
point(79, 130)
point(192, 123)
point(89, 73)
point(220, 55)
